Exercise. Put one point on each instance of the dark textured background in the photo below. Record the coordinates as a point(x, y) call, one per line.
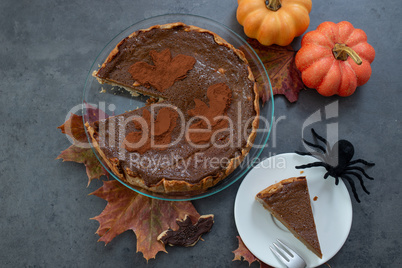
point(47, 48)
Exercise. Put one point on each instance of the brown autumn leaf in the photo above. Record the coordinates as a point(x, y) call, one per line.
point(80, 151)
point(280, 64)
point(74, 126)
point(242, 253)
point(147, 217)
point(87, 157)
point(188, 233)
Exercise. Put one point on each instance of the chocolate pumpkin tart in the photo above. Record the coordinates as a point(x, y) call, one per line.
point(203, 118)
point(289, 202)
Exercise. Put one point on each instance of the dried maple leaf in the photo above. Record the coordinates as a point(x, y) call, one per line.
point(165, 72)
point(188, 233)
point(147, 217)
point(242, 253)
point(74, 127)
point(280, 64)
point(87, 157)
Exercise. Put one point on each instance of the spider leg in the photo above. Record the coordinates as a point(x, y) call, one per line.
point(303, 153)
point(314, 145)
point(336, 178)
point(361, 161)
point(315, 164)
point(318, 136)
point(359, 177)
point(317, 155)
point(352, 185)
point(361, 170)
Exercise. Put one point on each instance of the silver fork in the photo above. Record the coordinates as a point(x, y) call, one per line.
point(286, 255)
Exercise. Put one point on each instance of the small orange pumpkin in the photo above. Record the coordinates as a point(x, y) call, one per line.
point(274, 21)
point(334, 59)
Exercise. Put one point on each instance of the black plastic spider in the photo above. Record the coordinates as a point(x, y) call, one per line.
point(337, 162)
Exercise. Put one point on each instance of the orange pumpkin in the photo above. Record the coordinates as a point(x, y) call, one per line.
point(334, 59)
point(274, 21)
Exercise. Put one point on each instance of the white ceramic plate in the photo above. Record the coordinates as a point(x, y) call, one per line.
point(258, 229)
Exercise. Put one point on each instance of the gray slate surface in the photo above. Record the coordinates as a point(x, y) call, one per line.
point(47, 48)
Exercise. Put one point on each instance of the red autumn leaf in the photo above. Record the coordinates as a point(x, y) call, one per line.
point(147, 217)
point(280, 64)
point(242, 253)
point(87, 157)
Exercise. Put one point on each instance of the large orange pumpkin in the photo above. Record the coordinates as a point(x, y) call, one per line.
point(334, 59)
point(274, 21)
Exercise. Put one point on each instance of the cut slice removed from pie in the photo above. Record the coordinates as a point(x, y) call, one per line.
point(289, 202)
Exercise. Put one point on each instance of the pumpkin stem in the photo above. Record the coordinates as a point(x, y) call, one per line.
point(342, 51)
point(273, 5)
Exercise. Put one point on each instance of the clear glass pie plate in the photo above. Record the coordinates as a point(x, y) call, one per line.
point(115, 101)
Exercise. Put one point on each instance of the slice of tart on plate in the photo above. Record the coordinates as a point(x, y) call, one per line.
point(289, 202)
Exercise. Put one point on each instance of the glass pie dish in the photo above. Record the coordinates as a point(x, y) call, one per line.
point(114, 101)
